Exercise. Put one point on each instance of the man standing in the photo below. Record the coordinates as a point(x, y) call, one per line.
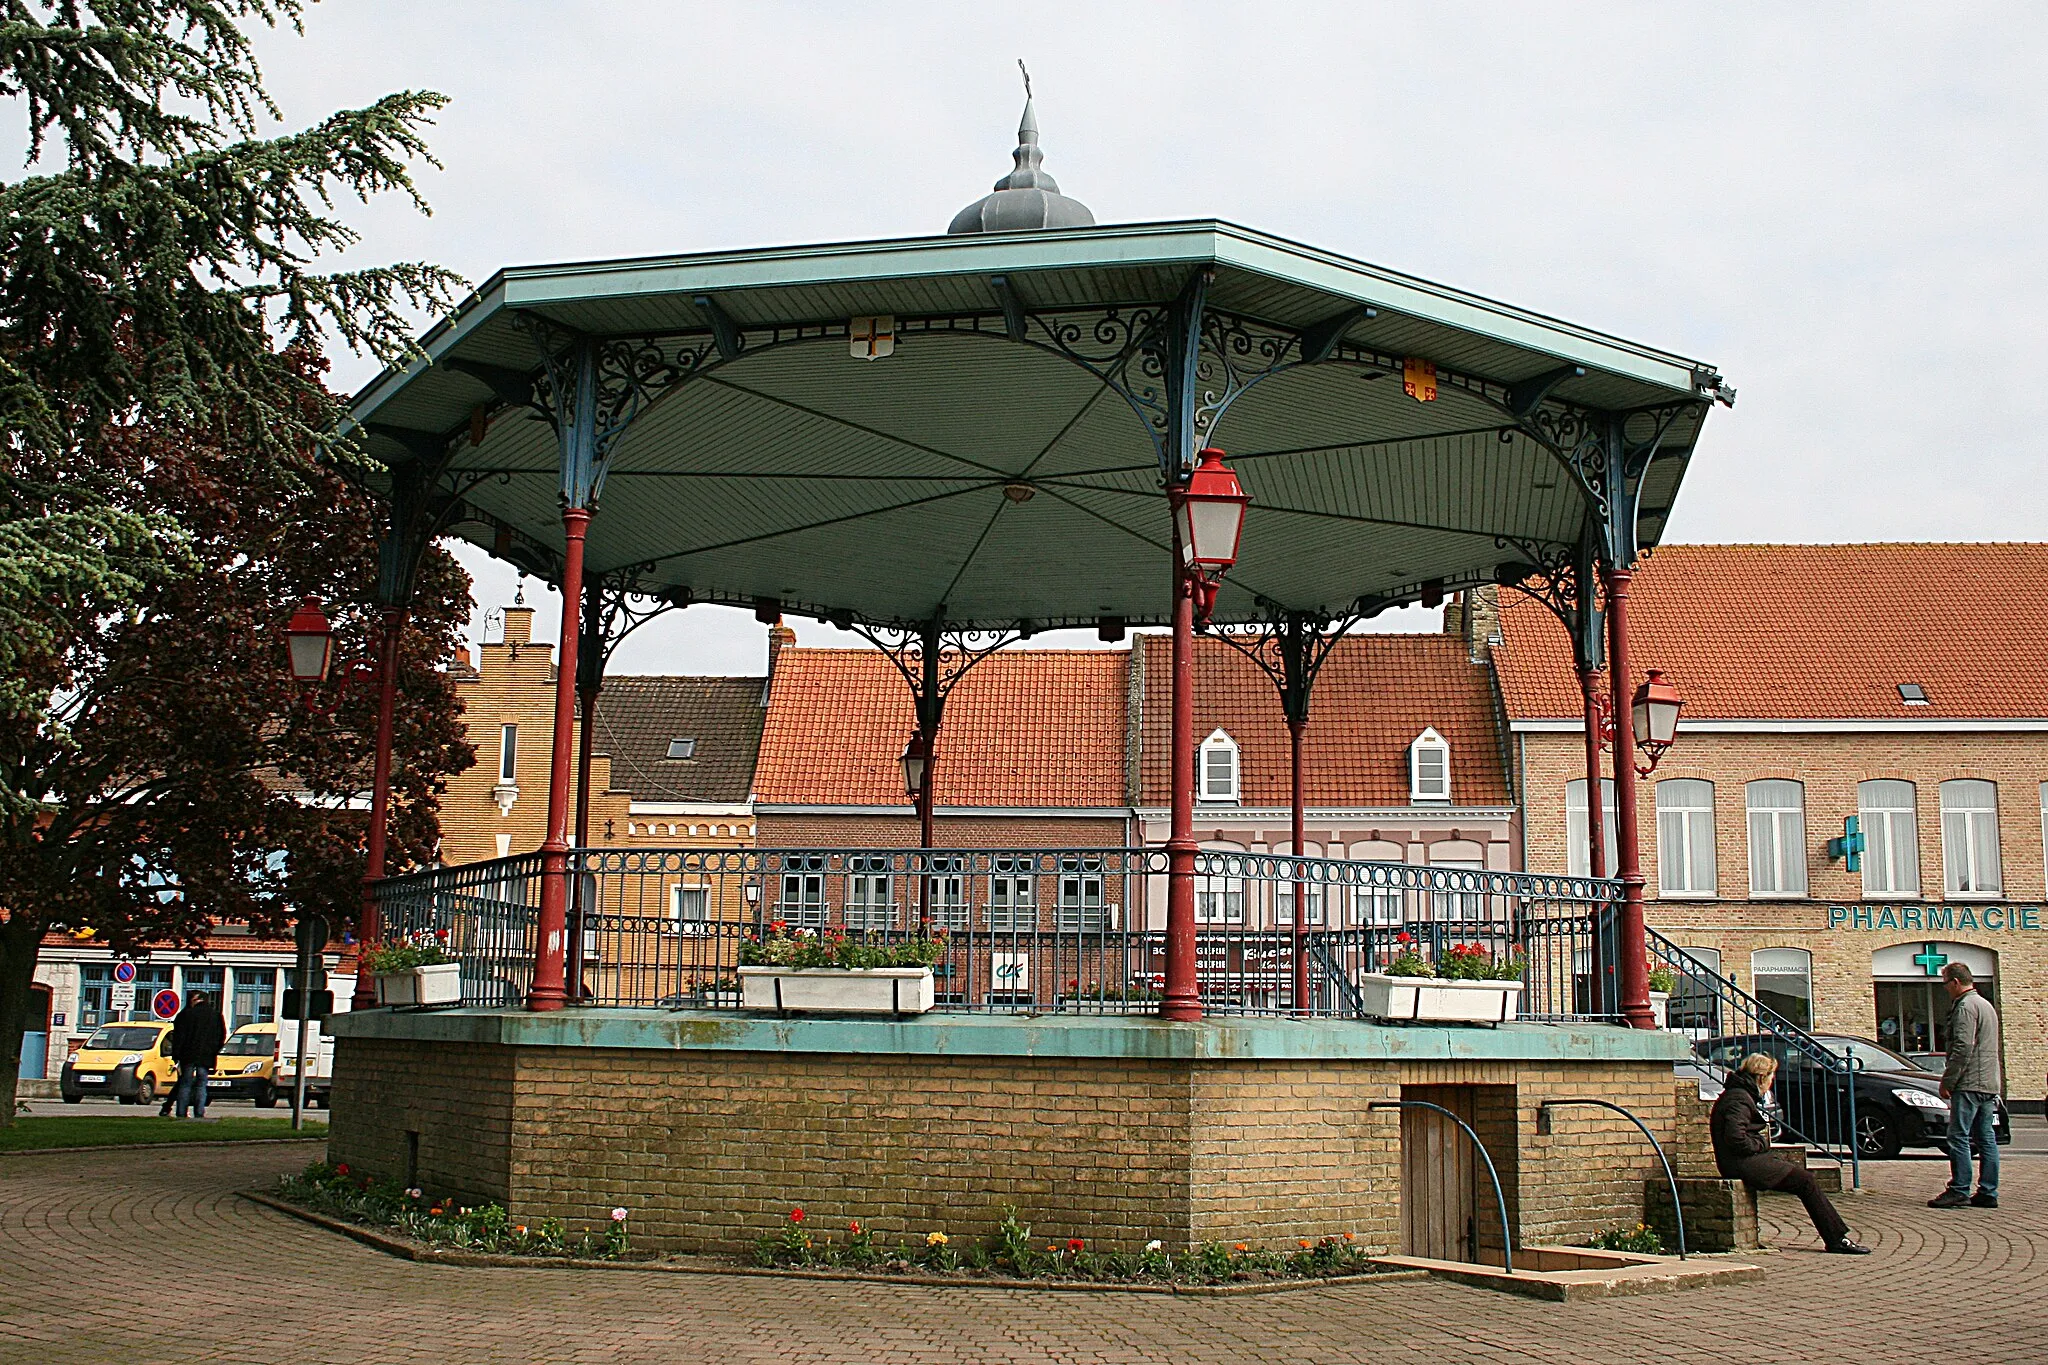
point(1971, 1085)
point(196, 1041)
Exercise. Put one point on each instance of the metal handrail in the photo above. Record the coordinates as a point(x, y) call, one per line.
point(1507, 1233)
point(1677, 1209)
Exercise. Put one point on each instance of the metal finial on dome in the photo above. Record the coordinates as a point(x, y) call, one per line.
point(1027, 198)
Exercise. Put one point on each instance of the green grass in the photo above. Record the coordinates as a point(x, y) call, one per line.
point(125, 1130)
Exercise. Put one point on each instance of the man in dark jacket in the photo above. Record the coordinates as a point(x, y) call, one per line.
point(196, 1041)
point(1742, 1149)
point(1971, 1085)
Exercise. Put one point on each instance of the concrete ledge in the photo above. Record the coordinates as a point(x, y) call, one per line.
point(1628, 1273)
point(1000, 1035)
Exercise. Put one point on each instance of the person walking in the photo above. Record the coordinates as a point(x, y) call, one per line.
point(196, 1040)
point(1971, 1084)
point(1742, 1149)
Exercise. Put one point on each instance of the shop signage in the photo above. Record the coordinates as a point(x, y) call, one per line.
point(1927, 918)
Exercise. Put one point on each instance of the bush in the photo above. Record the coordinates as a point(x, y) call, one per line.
point(1639, 1238)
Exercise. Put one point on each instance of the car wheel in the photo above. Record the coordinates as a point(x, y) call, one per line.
point(266, 1098)
point(145, 1091)
point(74, 1099)
point(1877, 1139)
point(126, 1099)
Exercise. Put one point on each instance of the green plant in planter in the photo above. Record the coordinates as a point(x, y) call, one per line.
point(421, 948)
point(1408, 962)
point(1664, 981)
point(778, 945)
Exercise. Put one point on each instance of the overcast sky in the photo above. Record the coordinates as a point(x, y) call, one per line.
point(1838, 205)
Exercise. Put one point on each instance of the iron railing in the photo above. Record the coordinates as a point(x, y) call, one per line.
point(1815, 1091)
point(1028, 931)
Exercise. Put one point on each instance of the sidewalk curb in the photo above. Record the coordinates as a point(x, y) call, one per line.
point(161, 1146)
point(412, 1251)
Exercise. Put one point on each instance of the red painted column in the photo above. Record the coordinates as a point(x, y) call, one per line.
point(1596, 822)
point(1299, 835)
point(548, 991)
point(1183, 994)
point(927, 798)
point(369, 924)
point(1631, 952)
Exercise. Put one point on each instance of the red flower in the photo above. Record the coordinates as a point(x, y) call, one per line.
point(1404, 938)
point(854, 1227)
point(1075, 1244)
point(796, 1215)
point(342, 1169)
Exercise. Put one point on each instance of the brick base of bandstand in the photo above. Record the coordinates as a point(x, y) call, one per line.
point(709, 1128)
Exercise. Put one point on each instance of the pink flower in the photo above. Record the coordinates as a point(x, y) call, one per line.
point(618, 1215)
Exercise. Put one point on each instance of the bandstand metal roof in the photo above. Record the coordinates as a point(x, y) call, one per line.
point(1004, 462)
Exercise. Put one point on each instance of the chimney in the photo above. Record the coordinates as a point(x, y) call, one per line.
point(780, 637)
point(518, 625)
point(1475, 615)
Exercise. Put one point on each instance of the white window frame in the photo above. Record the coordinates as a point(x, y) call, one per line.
point(1780, 856)
point(1219, 745)
point(1082, 905)
point(1891, 837)
point(508, 755)
point(870, 893)
point(1425, 789)
point(1012, 901)
point(801, 904)
point(1578, 848)
point(1970, 866)
point(1379, 907)
point(948, 881)
point(1683, 832)
point(689, 909)
point(2044, 825)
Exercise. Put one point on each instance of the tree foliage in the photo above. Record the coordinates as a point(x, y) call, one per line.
point(162, 316)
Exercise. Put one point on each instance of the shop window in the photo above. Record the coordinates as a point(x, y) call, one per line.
point(1429, 768)
point(1695, 1005)
point(1887, 812)
point(1783, 980)
point(1777, 838)
point(1579, 850)
point(254, 996)
point(1219, 768)
point(1685, 837)
point(1969, 838)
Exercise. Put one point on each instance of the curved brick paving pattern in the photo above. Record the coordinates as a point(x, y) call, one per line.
point(90, 1243)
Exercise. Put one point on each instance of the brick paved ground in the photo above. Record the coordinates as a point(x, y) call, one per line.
point(143, 1257)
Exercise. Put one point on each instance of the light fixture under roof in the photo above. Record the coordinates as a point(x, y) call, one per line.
point(682, 748)
point(1913, 694)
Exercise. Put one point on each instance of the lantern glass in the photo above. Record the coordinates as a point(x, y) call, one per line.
point(1209, 530)
point(913, 767)
point(1654, 716)
point(310, 641)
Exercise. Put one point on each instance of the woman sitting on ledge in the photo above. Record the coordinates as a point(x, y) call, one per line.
point(1742, 1149)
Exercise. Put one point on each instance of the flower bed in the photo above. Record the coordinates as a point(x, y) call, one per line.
point(341, 1193)
point(1012, 1252)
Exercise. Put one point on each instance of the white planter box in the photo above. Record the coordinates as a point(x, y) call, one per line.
point(440, 984)
point(1660, 1007)
point(878, 990)
point(1433, 998)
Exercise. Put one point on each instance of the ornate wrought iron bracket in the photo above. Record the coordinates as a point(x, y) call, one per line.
point(613, 609)
point(933, 658)
point(1565, 580)
point(1290, 648)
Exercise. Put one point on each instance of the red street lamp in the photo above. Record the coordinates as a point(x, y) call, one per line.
point(311, 642)
point(1654, 718)
point(1209, 514)
point(914, 761)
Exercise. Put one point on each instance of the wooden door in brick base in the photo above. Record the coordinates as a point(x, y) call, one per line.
point(1439, 1176)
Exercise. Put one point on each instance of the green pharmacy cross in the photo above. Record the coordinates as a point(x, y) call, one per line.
point(1932, 959)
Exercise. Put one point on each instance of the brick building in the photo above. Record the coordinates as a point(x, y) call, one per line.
point(1402, 757)
point(673, 757)
point(1890, 683)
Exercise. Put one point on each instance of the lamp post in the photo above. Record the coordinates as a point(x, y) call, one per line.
point(1208, 522)
point(309, 644)
point(1654, 718)
point(917, 782)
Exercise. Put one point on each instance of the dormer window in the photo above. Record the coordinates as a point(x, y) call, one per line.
point(1429, 768)
point(682, 748)
point(1216, 768)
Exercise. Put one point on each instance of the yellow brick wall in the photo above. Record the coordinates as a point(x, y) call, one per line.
point(1830, 766)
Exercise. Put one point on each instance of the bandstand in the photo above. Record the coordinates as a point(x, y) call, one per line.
point(949, 444)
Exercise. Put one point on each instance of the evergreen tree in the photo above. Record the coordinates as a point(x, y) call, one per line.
point(162, 312)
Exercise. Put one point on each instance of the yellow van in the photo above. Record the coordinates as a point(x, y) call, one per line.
point(247, 1068)
point(131, 1061)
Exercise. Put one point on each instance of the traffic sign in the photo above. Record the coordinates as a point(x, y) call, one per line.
point(164, 1004)
point(124, 997)
point(124, 971)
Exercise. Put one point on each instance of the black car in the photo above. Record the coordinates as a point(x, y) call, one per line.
point(1897, 1103)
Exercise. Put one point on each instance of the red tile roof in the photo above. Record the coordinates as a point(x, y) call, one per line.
point(1375, 694)
point(1799, 632)
point(1026, 728)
